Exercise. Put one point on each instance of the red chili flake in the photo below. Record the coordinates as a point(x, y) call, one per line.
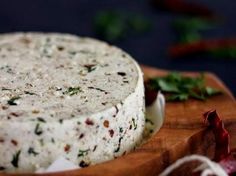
point(15, 114)
point(111, 132)
point(2, 140)
point(67, 148)
point(222, 149)
point(106, 123)
point(14, 142)
point(4, 107)
point(89, 122)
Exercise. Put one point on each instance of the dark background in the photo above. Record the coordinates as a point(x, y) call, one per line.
point(76, 17)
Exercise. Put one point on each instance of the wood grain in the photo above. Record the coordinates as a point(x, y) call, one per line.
point(183, 133)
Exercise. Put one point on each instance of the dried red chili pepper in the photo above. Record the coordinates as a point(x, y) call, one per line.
point(221, 135)
point(223, 155)
point(180, 6)
point(180, 50)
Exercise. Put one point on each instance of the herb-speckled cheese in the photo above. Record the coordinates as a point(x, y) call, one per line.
point(62, 95)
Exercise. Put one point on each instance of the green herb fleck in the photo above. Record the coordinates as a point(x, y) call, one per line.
point(83, 153)
point(149, 121)
point(4, 88)
point(30, 93)
point(134, 124)
point(90, 67)
point(119, 143)
point(32, 151)
point(40, 119)
point(121, 129)
point(15, 159)
point(181, 88)
point(38, 130)
point(60, 121)
point(73, 91)
point(12, 101)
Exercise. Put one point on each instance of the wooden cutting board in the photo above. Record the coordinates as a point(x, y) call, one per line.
point(183, 133)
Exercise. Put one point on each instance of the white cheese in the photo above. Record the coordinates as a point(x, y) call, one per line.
point(62, 95)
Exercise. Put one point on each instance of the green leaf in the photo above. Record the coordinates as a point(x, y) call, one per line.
point(167, 86)
point(181, 88)
point(198, 96)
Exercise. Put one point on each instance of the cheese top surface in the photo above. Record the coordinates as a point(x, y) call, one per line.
point(57, 76)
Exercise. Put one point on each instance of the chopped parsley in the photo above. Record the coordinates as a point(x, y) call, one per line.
point(83, 153)
point(31, 151)
point(90, 67)
point(73, 91)
point(181, 88)
point(15, 159)
point(134, 124)
point(38, 130)
point(40, 119)
point(12, 100)
point(30, 93)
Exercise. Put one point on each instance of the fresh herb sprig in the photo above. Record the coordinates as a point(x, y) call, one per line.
point(181, 88)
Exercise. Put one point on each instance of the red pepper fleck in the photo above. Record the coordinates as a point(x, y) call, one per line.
point(89, 122)
point(106, 123)
point(4, 107)
point(111, 132)
point(67, 148)
point(15, 114)
point(2, 140)
point(14, 142)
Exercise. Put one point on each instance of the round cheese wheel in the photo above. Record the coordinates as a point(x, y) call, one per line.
point(69, 96)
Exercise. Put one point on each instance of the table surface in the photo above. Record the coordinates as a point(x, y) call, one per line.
point(76, 17)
